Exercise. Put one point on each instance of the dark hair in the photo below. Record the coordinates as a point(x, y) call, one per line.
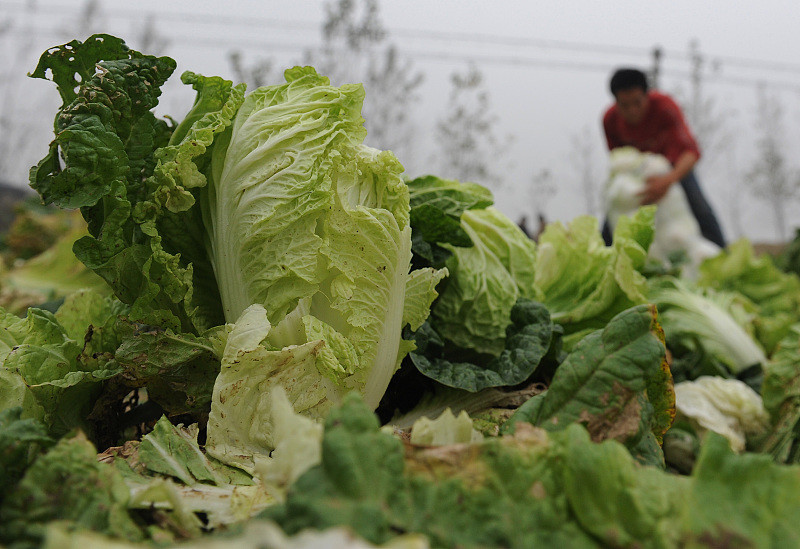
point(626, 79)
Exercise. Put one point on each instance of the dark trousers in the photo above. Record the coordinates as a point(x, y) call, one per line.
point(709, 226)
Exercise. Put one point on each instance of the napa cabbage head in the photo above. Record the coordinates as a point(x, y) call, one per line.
point(486, 281)
point(310, 224)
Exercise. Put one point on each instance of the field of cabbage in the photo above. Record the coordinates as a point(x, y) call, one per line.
point(242, 327)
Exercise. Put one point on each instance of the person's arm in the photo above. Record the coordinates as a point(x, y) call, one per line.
point(658, 185)
point(682, 152)
point(612, 140)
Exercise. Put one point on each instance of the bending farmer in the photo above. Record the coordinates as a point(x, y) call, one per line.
point(653, 122)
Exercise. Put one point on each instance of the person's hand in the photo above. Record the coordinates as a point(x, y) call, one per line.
point(657, 187)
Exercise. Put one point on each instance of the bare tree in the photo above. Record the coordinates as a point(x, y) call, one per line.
point(148, 39)
point(350, 37)
point(708, 119)
point(258, 73)
point(771, 178)
point(88, 20)
point(542, 191)
point(20, 117)
point(582, 160)
point(468, 146)
point(15, 137)
point(711, 121)
point(392, 85)
point(736, 183)
point(356, 48)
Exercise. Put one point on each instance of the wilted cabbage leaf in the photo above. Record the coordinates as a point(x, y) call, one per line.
point(534, 488)
point(616, 382)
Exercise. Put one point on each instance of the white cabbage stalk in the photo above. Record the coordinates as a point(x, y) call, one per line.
point(685, 313)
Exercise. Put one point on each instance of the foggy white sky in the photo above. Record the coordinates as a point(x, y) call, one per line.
point(550, 94)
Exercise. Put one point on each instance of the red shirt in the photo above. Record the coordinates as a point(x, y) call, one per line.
point(662, 130)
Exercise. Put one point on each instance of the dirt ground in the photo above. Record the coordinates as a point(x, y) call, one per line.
point(772, 249)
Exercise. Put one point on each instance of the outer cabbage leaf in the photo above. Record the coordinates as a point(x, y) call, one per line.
point(615, 381)
point(726, 406)
point(585, 283)
point(527, 341)
point(94, 154)
point(506, 241)
point(171, 216)
point(173, 451)
point(88, 313)
point(240, 424)
point(485, 281)
point(449, 196)
point(109, 142)
point(178, 370)
point(781, 394)
point(436, 208)
point(420, 293)
point(693, 320)
point(224, 495)
point(171, 503)
point(53, 365)
point(430, 226)
point(535, 488)
point(777, 294)
point(179, 505)
point(255, 534)
point(73, 368)
point(68, 484)
point(298, 446)
point(21, 441)
point(745, 498)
